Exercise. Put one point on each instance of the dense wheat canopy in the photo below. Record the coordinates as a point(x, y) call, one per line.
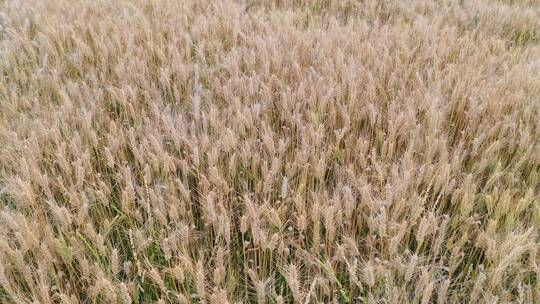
point(300, 151)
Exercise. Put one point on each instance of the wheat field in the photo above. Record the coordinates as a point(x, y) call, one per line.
point(301, 151)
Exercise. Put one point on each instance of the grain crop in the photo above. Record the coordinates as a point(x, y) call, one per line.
point(278, 151)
